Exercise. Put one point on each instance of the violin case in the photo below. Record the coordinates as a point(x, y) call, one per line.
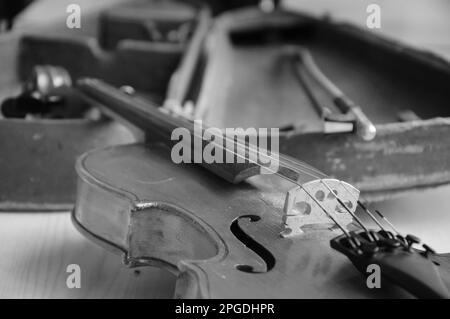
point(39, 154)
point(240, 78)
point(404, 91)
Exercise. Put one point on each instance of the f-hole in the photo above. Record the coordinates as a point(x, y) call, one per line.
point(252, 244)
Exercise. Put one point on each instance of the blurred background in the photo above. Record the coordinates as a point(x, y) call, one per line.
point(36, 247)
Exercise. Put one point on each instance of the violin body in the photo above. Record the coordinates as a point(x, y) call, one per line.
point(222, 240)
point(225, 231)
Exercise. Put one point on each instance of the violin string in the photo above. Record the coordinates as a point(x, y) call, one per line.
point(360, 204)
point(308, 172)
point(328, 214)
point(388, 222)
point(313, 172)
point(251, 149)
point(340, 201)
point(306, 169)
point(365, 209)
point(345, 206)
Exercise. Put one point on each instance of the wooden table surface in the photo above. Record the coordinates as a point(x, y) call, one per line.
point(36, 248)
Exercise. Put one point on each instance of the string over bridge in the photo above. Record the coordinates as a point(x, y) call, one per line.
point(301, 207)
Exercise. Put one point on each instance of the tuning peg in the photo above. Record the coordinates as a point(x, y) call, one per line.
point(411, 239)
point(428, 249)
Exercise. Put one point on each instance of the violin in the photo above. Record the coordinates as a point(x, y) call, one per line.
point(243, 229)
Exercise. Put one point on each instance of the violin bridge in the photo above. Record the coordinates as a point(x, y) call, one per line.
point(301, 210)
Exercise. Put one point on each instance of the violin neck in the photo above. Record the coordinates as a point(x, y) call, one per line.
point(148, 117)
point(141, 113)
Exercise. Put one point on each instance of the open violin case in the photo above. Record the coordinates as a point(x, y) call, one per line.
point(234, 70)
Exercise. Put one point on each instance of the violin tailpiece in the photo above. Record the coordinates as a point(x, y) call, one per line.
point(301, 210)
point(399, 262)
